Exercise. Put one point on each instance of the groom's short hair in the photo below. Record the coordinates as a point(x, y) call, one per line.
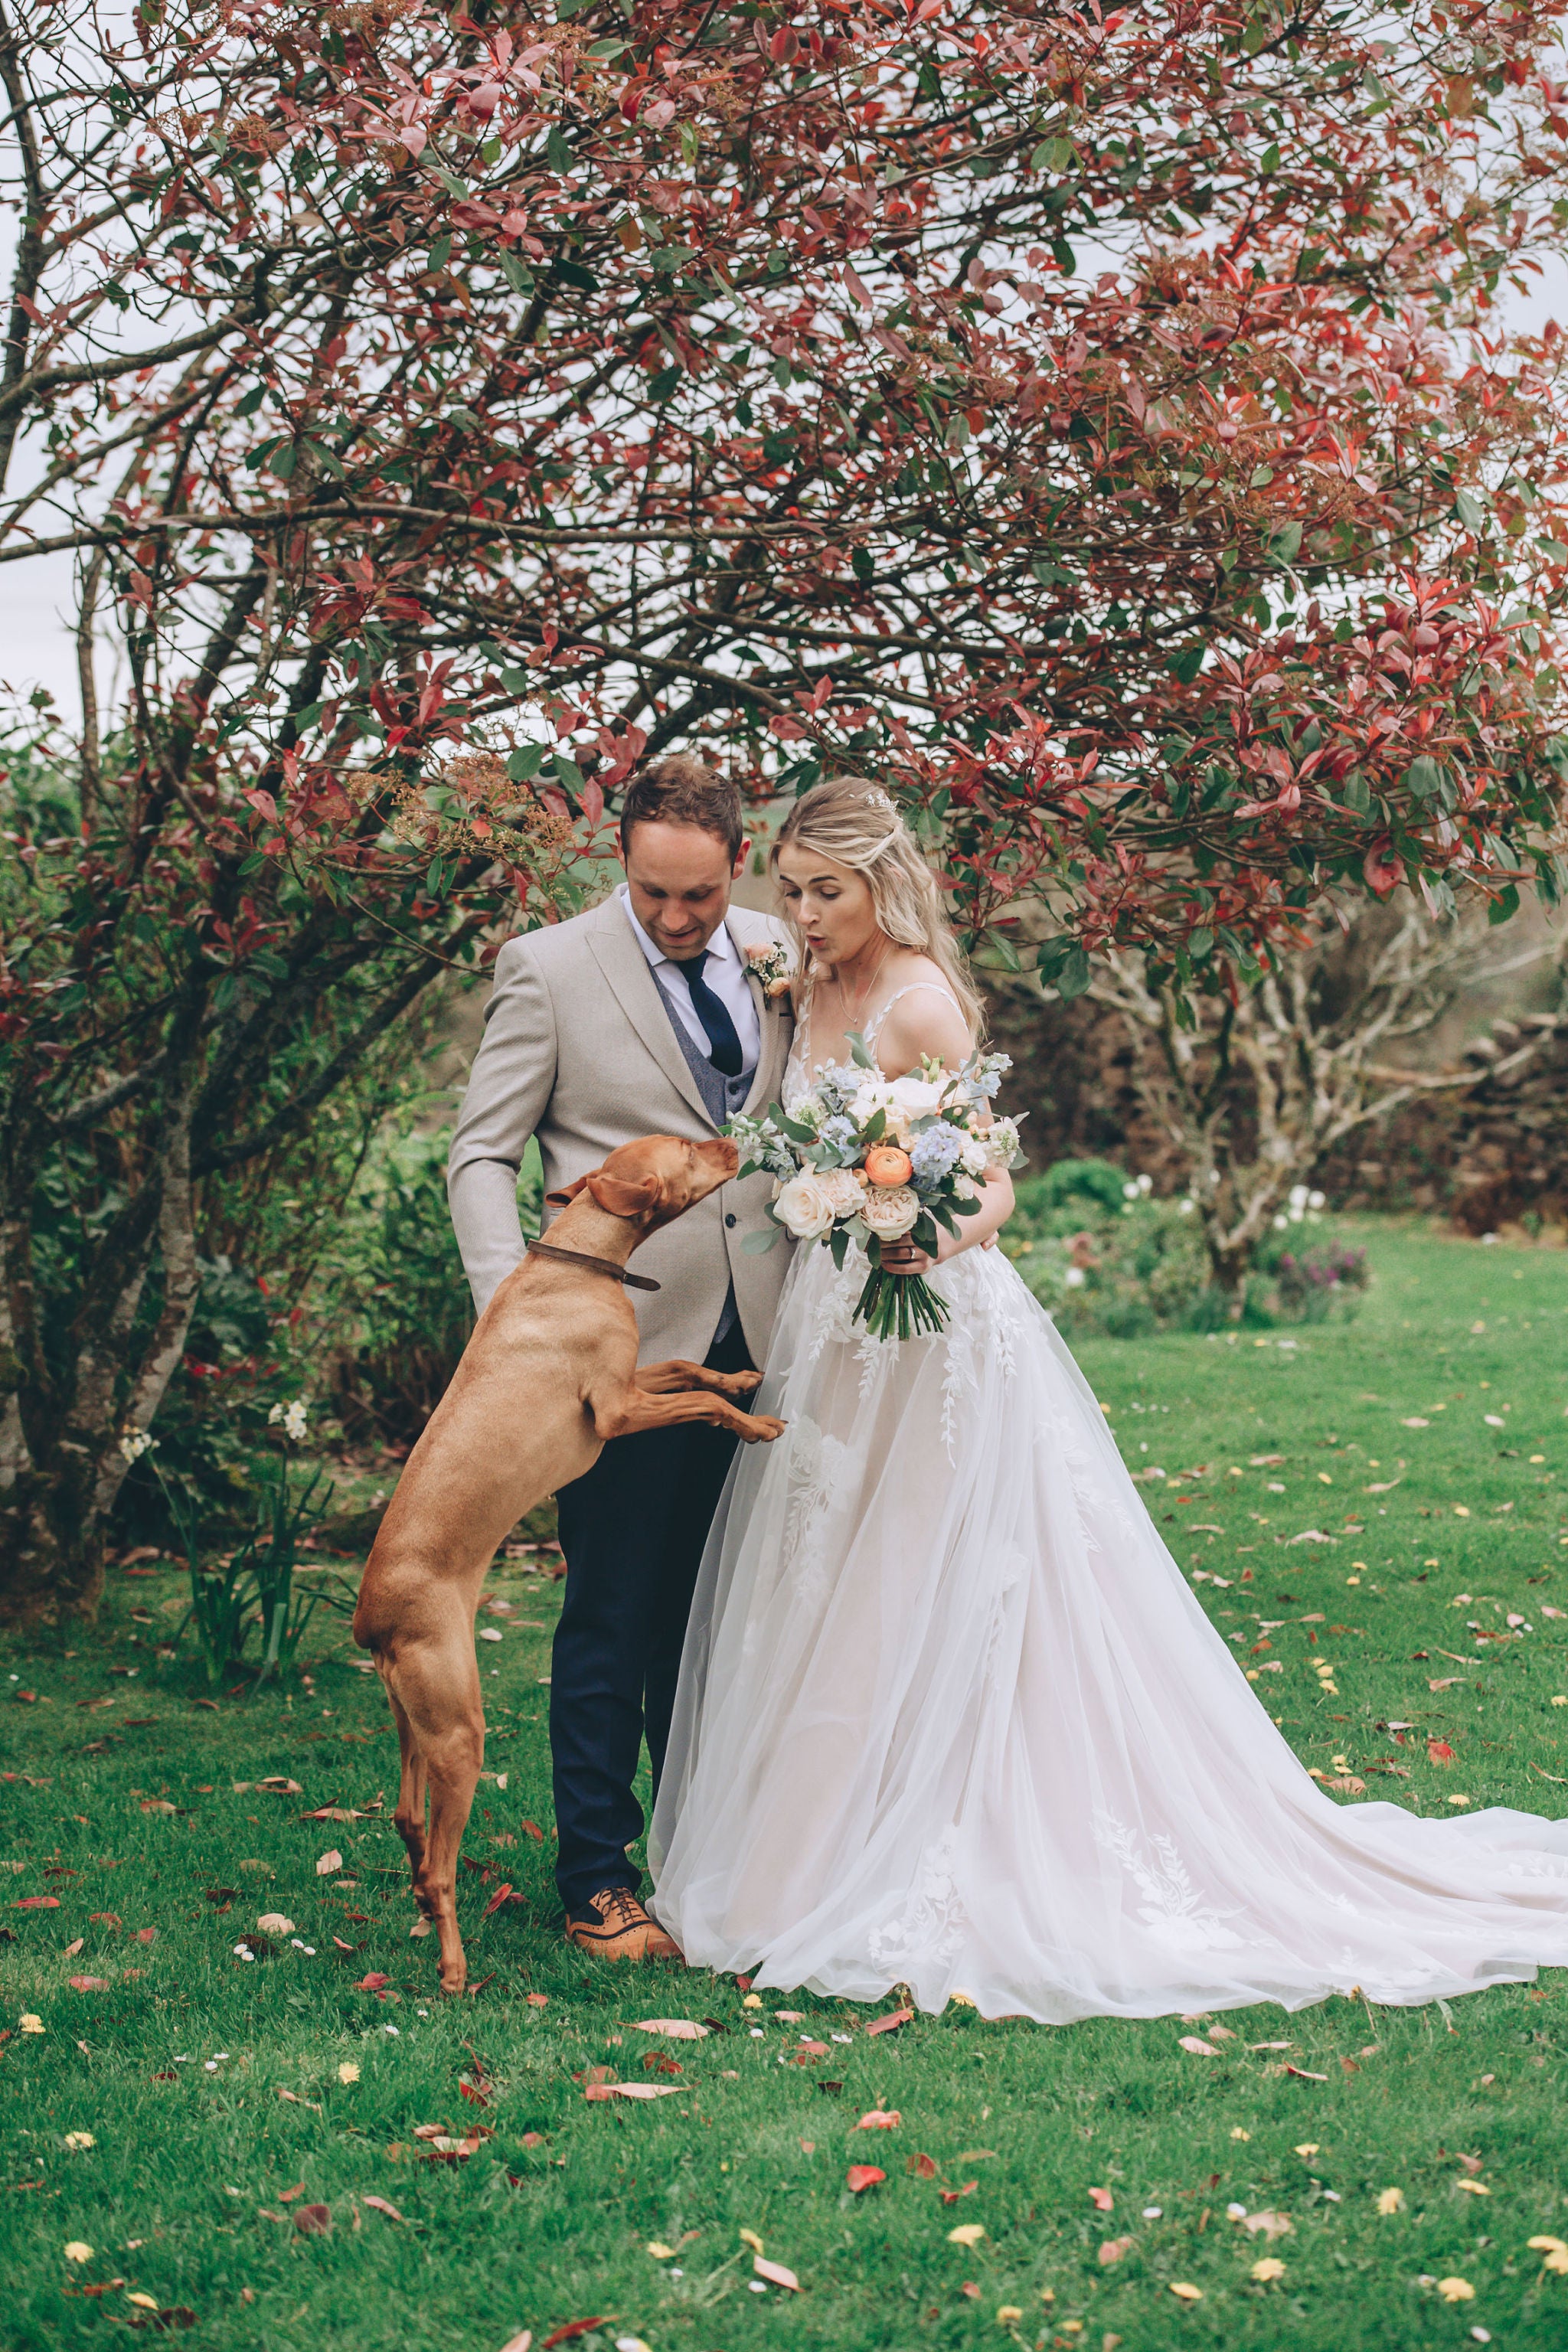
point(681, 789)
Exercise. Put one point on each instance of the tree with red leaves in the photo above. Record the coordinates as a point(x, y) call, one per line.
point(1098, 427)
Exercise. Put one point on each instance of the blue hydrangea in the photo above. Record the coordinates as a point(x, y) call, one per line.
point(933, 1154)
point(838, 1132)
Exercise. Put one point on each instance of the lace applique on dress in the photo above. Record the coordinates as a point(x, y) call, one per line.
point(1172, 1909)
point(931, 1926)
point(821, 1476)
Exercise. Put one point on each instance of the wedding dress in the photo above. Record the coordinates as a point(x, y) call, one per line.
point(951, 1718)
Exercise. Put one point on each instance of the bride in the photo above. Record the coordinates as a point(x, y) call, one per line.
point(948, 1718)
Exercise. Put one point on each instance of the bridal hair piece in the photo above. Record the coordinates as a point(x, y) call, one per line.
point(859, 825)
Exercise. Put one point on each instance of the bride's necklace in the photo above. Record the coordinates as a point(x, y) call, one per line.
point(855, 1013)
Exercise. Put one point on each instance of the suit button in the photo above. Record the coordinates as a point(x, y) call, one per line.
point(730, 1217)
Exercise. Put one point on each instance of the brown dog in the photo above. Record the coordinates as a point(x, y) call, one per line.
point(548, 1374)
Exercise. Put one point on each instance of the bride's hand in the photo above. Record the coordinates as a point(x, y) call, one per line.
point(903, 1257)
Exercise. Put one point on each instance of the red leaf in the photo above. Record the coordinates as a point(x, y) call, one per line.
point(501, 1895)
point(886, 2024)
point(952, 2196)
point(879, 2120)
point(1439, 1752)
point(380, 2205)
point(38, 1902)
point(923, 2166)
point(87, 1984)
point(313, 2221)
point(864, 2176)
point(533, 1829)
point(1101, 2199)
point(572, 2327)
point(371, 1983)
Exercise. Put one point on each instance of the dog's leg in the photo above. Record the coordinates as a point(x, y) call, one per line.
point(620, 1412)
point(409, 1817)
point(664, 1379)
point(438, 1687)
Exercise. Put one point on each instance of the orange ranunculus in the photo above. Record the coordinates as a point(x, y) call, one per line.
point(887, 1165)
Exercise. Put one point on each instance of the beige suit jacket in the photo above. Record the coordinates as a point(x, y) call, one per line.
point(579, 1051)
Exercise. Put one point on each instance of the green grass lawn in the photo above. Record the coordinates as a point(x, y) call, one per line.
point(223, 2096)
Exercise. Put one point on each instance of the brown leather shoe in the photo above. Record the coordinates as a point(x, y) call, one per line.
point(616, 1927)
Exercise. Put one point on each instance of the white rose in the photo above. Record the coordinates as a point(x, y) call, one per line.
point(890, 1213)
point(843, 1191)
point(872, 1095)
point(914, 1097)
point(976, 1156)
point(804, 1206)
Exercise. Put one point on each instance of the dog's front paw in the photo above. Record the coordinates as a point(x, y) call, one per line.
point(761, 1426)
point(741, 1384)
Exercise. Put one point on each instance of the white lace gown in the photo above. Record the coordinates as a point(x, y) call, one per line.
point(950, 1718)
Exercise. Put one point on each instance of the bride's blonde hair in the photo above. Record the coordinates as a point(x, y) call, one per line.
point(857, 825)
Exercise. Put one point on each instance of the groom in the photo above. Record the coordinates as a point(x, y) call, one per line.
point(639, 1018)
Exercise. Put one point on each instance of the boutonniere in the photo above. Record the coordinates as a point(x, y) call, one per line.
point(770, 965)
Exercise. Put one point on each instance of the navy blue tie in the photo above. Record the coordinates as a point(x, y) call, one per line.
point(723, 1037)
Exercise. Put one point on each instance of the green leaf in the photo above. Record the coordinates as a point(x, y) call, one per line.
point(838, 1245)
point(1074, 976)
point(1186, 665)
point(515, 271)
point(568, 774)
point(525, 762)
point(1505, 904)
point(858, 1054)
point(571, 273)
point(606, 49)
point(759, 1244)
point(558, 150)
point(1286, 545)
point(1424, 777)
point(1051, 155)
point(1469, 509)
point(862, 565)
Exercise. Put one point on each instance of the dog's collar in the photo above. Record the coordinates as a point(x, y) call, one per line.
point(600, 1264)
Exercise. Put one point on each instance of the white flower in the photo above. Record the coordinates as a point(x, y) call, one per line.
point(138, 1444)
point(873, 1094)
point(843, 1190)
point(1130, 1191)
point(1299, 1196)
point(917, 1098)
point(804, 1207)
point(1145, 1183)
point(1281, 1225)
point(1315, 1200)
point(1184, 1208)
point(1075, 1278)
point(890, 1214)
point(976, 1155)
point(293, 1417)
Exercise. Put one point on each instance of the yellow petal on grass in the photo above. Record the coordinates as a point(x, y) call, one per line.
point(80, 2140)
point(1391, 2201)
point(1188, 2293)
point(79, 2250)
point(1456, 2290)
point(752, 2001)
point(659, 2251)
point(1555, 2252)
point(1270, 2267)
point(968, 2234)
point(31, 2022)
point(1008, 2314)
point(1308, 2147)
point(1238, 2131)
point(749, 2238)
point(1473, 2188)
point(142, 2302)
point(348, 2072)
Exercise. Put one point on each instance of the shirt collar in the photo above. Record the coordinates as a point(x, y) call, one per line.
point(720, 947)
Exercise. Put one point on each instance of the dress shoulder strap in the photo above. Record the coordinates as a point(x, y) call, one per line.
point(874, 1027)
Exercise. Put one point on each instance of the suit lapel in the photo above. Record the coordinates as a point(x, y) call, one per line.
point(625, 967)
point(770, 1022)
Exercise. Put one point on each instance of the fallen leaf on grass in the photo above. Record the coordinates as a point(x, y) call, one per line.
point(968, 2234)
point(1197, 2048)
point(922, 2166)
point(38, 1902)
point(633, 2091)
point(331, 1813)
point(1101, 2199)
point(775, 2274)
point(533, 1829)
point(380, 2205)
point(1272, 2225)
point(370, 1983)
point(1305, 2074)
point(1188, 2293)
point(1456, 2290)
point(296, 2101)
point(674, 2028)
point(879, 2120)
point(863, 2176)
point(1555, 2250)
point(1391, 2201)
point(502, 1895)
point(886, 2024)
point(518, 2343)
point(313, 2220)
point(329, 1861)
point(1474, 2188)
point(659, 2251)
point(159, 1805)
point(1270, 2267)
point(87, 1984)
point(952, 2196)
point(574, 2328)
point(1112, 2251)
point(1439, 1752)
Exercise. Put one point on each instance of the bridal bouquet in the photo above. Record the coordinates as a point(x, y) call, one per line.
point(872, 1159)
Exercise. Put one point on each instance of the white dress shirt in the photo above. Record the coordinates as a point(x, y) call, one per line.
point(725, 974)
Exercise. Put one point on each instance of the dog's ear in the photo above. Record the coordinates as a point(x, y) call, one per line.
point(623, 1200)
point(568, 1192)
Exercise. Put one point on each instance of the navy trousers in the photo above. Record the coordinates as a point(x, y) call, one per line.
point(633, 1532)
